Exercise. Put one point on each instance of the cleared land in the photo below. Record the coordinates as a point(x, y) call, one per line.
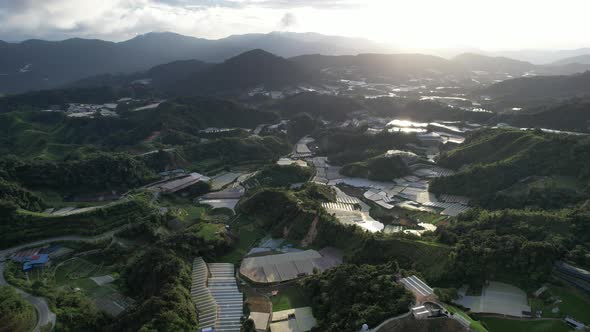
point(288, 298)
point(248, 233)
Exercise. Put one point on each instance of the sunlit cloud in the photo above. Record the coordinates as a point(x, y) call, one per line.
point(499, 24)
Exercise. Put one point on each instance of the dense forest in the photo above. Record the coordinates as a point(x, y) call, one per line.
point(348, 296)
point(101, 171)
point(231, 150)
point(380, 168)
point(517, 240)
point(345, 146)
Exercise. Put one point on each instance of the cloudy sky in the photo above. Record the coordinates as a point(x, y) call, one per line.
point(485, 24)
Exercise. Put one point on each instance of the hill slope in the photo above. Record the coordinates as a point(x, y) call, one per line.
point(541, 88)
point(495, 161)
point(571, 115)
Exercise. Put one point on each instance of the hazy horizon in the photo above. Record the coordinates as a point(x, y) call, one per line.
point(418, 25)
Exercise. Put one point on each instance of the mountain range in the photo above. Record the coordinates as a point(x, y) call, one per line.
point(38, 64)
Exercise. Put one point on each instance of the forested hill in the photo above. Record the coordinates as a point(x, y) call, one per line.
point(159, 77)
point(541, 88)
point(37, 133)
point(515, 168)
point(245, 71)
point(570, 115)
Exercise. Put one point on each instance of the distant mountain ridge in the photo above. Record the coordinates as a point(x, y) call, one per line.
point(38, 64)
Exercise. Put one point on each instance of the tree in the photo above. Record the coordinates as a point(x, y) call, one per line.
point(348, 296)
point(16, 314)
point(248, 326)
point(300, 125)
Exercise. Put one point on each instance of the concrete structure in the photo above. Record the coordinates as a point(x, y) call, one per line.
point(417, 286)
point(261, 320)
point(497, 298)
point(293, 320)
point(426, 310)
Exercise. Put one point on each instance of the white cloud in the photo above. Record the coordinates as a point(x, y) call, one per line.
point(417, 23)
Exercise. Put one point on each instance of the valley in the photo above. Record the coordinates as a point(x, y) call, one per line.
point(310, 193)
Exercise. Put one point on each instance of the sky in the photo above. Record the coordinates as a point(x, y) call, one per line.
point(402, 24)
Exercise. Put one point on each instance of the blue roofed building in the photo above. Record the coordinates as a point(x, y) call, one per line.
point(35, 261)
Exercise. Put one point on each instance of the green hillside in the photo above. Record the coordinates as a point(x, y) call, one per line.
point(380, 168)
point(26, 226)
point(494, 160)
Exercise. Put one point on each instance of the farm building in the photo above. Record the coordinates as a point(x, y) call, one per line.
point(289, 266)
point(574, 323)
point(426, 310)
point(575, 276)
point(216, 296)
point(260, 320)
point(227, 198)
point(177, 184)
point(497, 298)
point(35, 261)
point(573, 271)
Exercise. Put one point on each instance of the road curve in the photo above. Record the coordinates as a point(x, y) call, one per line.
point(44, 314)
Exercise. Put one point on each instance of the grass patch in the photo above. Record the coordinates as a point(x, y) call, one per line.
point(475, 325)
point(419, 216)
point(248, 233)
point(74, 269)
point(512, 325)
point(209, 231)
point(289, 298)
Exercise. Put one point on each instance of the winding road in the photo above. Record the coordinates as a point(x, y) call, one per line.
point(44, 315)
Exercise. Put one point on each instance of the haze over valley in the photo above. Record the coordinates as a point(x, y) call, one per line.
point(304, 166)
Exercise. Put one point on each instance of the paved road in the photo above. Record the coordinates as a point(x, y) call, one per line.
point(45, 316)
point(384, 324)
